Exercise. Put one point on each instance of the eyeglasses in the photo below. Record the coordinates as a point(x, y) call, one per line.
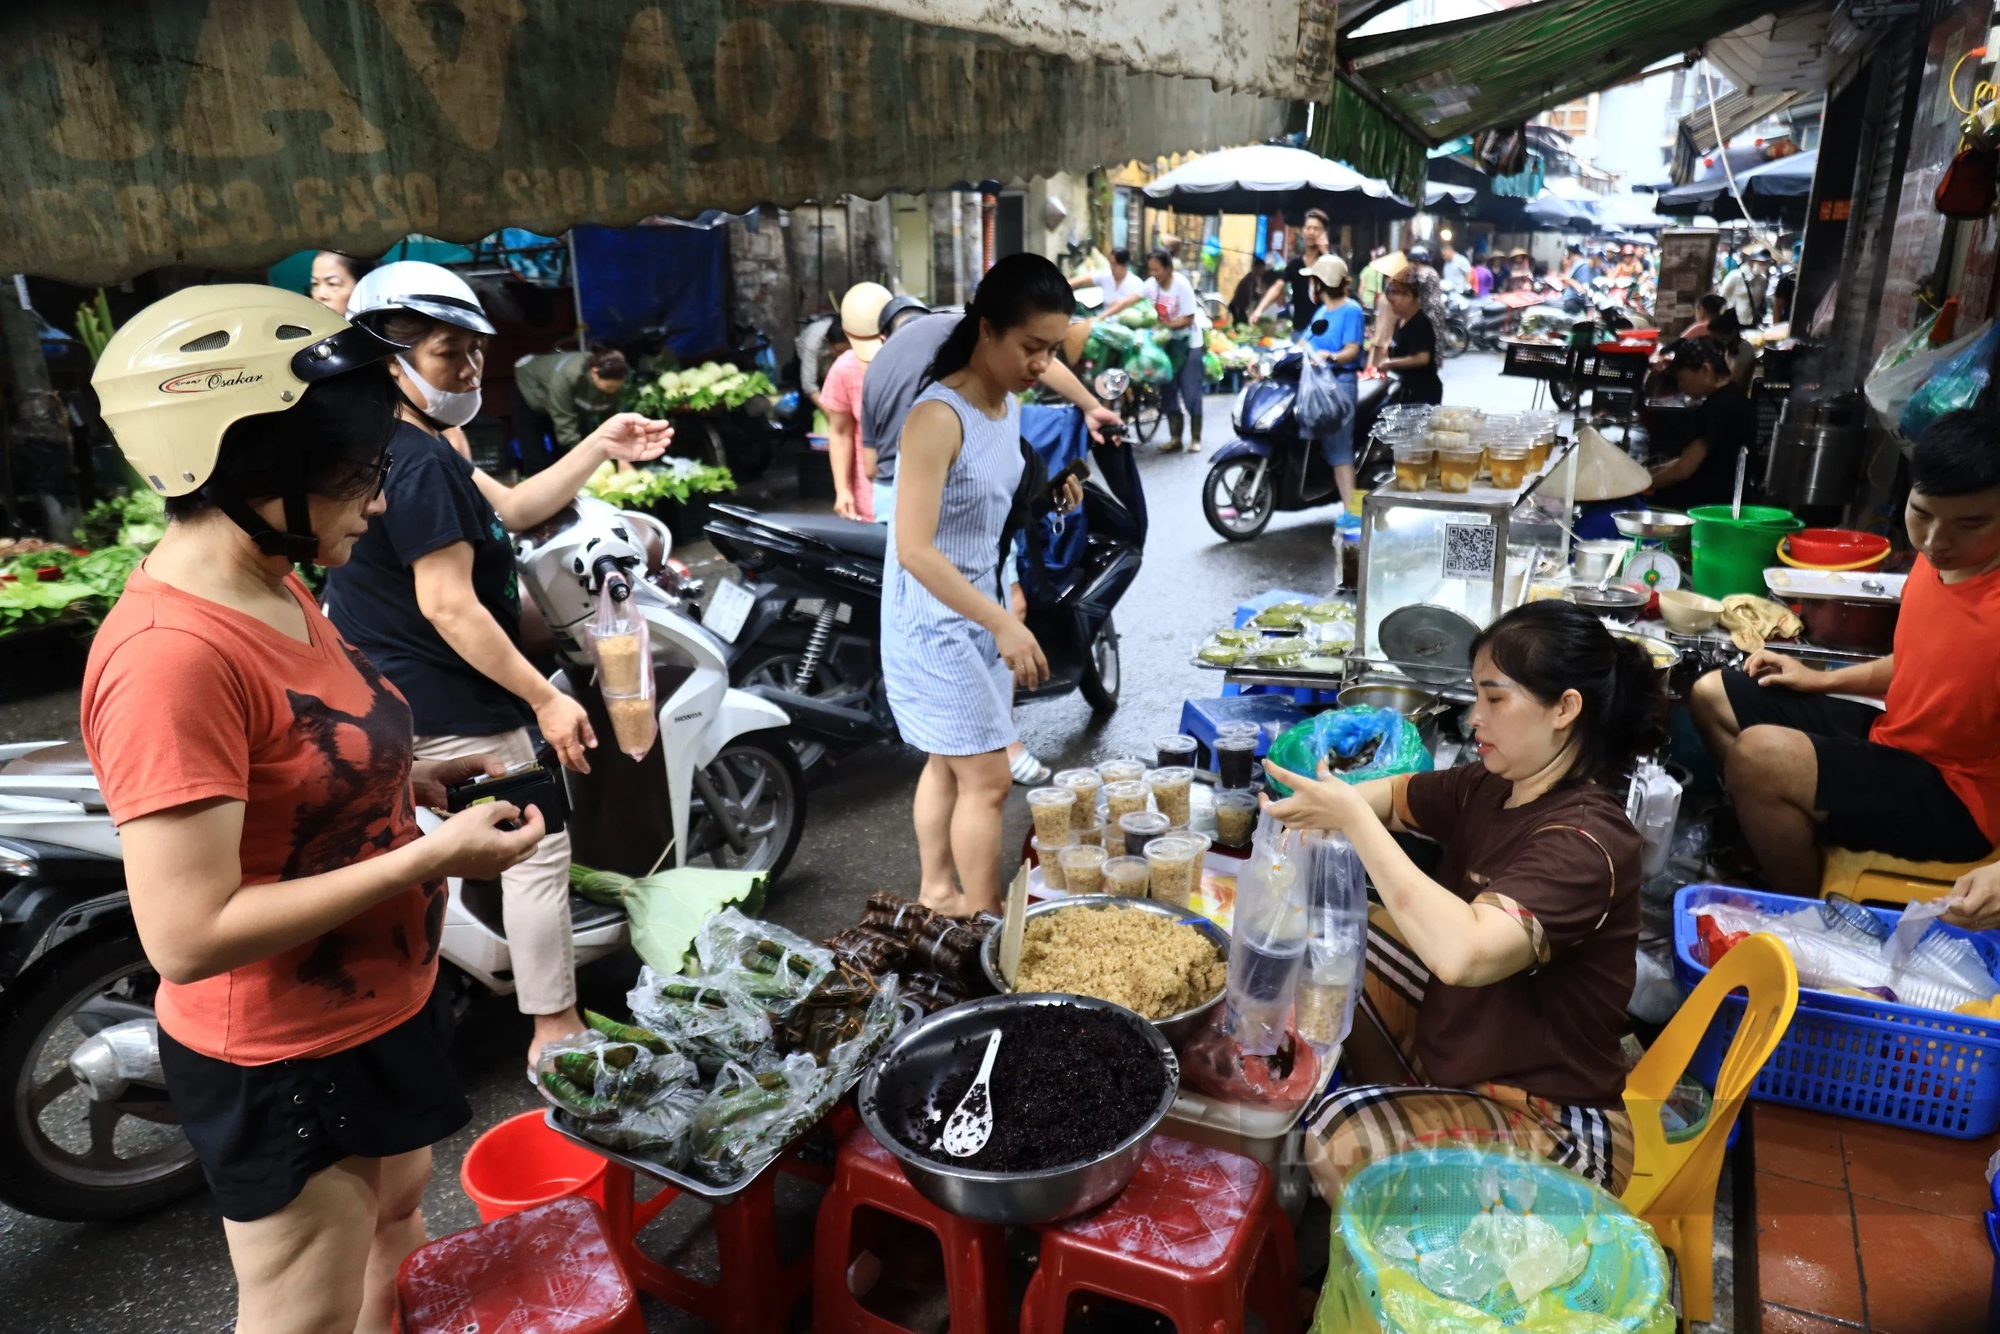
point(381, 471)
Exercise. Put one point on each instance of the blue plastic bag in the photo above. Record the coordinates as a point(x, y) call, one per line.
point(1386, 742)
point(1954, 385)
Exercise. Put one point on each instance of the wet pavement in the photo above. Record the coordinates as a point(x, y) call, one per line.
point(170, 1270)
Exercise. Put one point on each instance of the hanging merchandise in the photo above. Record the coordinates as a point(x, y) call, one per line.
point(621, 648)
point(1955, 384)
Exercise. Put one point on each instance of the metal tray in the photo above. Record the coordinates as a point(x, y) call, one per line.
point(702, 1190)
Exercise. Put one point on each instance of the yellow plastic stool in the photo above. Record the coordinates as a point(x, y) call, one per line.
point(1673, 1185)
point(1876, 876)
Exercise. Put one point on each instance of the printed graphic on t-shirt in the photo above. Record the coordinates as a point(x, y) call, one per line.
point(366, 800)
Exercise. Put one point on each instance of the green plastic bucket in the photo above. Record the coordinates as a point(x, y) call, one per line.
point(1731, 554)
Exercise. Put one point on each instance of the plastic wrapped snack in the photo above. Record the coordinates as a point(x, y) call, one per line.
point(768, 963)
point(710, 1022)
point(835, 1012)
point(741, 1124)
point(596, 1078)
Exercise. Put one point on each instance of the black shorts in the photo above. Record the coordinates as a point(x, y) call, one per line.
point(261, 1130)
point(1876, 798)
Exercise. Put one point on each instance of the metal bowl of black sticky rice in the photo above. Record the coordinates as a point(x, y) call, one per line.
point(901, 1091)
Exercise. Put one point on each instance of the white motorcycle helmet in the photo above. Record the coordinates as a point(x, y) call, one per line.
point(437, 293)
point(426, 289)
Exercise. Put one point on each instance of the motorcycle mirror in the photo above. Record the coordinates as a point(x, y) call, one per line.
point(1112, 384)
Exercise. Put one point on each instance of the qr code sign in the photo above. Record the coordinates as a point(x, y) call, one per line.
point(1470, 550)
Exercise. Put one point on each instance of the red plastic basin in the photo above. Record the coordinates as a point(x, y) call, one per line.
point(521, 1163)
point(1831, 548)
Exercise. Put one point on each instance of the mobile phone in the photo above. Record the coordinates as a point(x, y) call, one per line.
point(1077, 468)
point(527, 784)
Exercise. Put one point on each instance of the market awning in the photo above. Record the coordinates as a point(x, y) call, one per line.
point(1735, 112)
point(1275, 178)
point(1429, 85)
point(1774, 192)
point(1277, 48)
point(228, 133)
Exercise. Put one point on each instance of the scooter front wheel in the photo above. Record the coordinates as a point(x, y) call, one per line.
point(64, 1155)
point(1238, 497)
point(756, 790)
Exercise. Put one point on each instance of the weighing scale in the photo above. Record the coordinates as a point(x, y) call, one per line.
point(1650, 563)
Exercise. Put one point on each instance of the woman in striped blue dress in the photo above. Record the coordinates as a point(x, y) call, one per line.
point(952, 651)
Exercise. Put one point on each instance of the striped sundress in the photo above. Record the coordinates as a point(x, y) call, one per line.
point(950, 690)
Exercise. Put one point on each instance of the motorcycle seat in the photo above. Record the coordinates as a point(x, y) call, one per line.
point(868, 540)
point(67, 759)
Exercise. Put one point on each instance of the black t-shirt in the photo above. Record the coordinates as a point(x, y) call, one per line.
point(1421, 383)
point(372, 599)
point(1304, 307)
point(1728, 423)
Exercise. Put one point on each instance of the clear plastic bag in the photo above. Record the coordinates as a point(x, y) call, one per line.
point(750, 1114)
point(621, 648)
point(711, 1022)
point(656, 1130)
point(1267, 942)
point(1337, 943)
point(763, 960)
point(595, 1078)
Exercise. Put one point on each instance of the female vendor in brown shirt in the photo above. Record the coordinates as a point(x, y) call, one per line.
point(1504, 979)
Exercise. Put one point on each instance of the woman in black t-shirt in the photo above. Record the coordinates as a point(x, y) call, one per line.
point(429, 594)
point(1413, 352)
point(1704, 473)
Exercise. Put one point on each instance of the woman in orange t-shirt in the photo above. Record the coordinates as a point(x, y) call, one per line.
point(261, 777)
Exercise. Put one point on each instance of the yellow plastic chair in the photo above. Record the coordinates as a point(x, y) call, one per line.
point(1879, 878)
point(1673, 1185)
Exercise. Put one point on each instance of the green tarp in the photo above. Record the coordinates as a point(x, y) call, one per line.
point(228, 133)
point(1429, 85)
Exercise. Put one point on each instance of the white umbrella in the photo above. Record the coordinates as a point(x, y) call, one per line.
point(1272, 178)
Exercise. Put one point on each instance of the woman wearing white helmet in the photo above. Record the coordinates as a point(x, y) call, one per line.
point(430, 594)
point(261, 773)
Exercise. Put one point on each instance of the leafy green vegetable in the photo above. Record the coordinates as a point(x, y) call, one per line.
point(138, 519)
point(668, 479)
point(702, 388)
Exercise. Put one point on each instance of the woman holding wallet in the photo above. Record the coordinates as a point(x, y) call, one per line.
point(262, 777)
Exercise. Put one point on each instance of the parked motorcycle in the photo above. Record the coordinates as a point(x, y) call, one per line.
point(87, 1133)
point(804, 625)
point(1457, 324)
point(1271, 466)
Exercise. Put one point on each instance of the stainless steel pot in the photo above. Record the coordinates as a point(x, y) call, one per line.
point(1178, 1027)
point(918, 1061)
point(1815, 452)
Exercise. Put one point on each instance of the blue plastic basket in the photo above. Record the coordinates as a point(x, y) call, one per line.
point(1875, 1060)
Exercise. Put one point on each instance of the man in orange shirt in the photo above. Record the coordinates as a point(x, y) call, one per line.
point(1919, 779)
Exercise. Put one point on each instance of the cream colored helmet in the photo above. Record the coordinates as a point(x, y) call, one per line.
point(861, 318)
point(184, 369)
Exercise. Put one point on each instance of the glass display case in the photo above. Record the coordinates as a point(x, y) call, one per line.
point(1451, 550)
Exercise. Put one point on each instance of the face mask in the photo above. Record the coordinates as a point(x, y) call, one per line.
point(446, 407)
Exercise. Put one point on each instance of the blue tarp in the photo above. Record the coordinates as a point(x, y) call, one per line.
point(669, 279)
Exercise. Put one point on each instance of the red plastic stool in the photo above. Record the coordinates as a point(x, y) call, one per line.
point(549, 1269)
point(975, 1259)
point(1197, 1236)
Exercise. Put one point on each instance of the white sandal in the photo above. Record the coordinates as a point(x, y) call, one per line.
point(1027, 770)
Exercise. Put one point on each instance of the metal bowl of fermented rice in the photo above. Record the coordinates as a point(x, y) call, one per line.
point(1164, 963)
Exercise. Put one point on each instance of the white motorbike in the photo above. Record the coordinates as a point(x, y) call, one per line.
point(86, 1131)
